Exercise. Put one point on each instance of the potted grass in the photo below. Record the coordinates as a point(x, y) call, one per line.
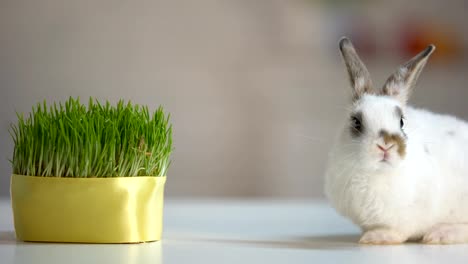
point(90, 174)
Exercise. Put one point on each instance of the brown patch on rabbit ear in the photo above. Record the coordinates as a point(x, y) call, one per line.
point(401, 83)
point(396, 139)
point(357, 72)
point(360, 90)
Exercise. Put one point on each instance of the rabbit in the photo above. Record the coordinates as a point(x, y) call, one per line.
point(398, 172)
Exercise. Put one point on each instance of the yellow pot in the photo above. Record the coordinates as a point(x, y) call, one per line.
point(87, 210)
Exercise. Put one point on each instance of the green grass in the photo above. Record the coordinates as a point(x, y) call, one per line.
point(97, 140)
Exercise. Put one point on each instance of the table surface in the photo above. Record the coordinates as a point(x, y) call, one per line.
point(234, 231)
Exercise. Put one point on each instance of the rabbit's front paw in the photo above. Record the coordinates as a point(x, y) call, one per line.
point(382, 237)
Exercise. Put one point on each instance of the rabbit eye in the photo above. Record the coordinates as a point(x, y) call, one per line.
point(356, 124)
point(402, 122)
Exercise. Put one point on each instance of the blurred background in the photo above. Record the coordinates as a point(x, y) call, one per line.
point(256, 89)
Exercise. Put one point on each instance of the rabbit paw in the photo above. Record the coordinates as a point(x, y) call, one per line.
point(382, 237)
point(447, 234)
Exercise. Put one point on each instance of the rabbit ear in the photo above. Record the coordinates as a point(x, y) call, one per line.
point(357, 71)
point(401, 83)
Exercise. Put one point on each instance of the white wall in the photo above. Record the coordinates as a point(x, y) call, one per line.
point(255, 92)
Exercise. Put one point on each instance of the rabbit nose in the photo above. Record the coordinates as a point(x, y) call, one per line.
point(385, 149)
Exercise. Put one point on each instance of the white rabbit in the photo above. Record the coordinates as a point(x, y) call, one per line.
point(398, 172)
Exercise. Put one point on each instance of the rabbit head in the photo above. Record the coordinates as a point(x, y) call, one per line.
point(375, 133)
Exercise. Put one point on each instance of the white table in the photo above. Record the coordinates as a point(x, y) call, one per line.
point(234, 231)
